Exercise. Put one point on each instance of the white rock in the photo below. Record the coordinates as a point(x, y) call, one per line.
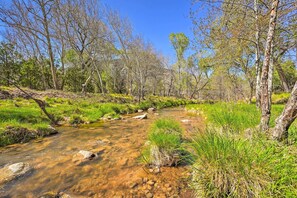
point(152, 109)
point(87, 154)
point(140, 117)
point(13, 171)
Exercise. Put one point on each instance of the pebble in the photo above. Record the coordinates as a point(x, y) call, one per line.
point(150, 182)
point(149, 195)
point(167, 185)
point(144, 179)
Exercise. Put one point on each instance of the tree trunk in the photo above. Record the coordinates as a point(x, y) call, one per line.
point(84, 85)
point(49, 46)
point(282, 77)
point(270, 75)
point(257, 57)
point(100, 80)
point(179, 79)
point(265, 108)
point(289, 114)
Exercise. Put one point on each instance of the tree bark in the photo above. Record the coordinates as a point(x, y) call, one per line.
point(265, 108)
point(289, 114)
point(270, 75)
point(257, 57)
point(49, 45)
point(282, 77)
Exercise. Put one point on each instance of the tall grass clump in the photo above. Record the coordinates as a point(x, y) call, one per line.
point(226, 167)
point(164, 145)
point(232, 117)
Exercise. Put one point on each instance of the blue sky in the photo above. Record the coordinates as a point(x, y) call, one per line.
point(156, 19)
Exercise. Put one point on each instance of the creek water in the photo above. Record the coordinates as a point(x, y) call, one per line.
point(109, 175)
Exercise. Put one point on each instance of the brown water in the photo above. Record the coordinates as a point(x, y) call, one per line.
point(110, 175)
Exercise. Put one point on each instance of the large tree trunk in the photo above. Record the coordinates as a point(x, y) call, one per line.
point(257, 57)
point(289, 114)
point(265, 107)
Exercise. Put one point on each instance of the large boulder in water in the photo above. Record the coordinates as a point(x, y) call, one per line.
point(14, 171)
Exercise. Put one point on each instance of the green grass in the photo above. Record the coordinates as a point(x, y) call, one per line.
point(234, 117)
point(235, 167)
point(277, 98)
point(164, 146)
point(231, 164)
point(229, 168)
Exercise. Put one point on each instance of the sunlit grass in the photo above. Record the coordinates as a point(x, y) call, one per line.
point(231, 164)
point(164, 145)
point(235, 117)
point(236, 167)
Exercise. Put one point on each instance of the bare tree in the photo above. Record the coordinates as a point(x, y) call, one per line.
point(265, 104)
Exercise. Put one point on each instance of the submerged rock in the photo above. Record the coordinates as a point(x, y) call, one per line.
point(103, 142)
point(87, 154)
point(152, 109)
point(141, 117)
point(14, 171)
point(83, 156)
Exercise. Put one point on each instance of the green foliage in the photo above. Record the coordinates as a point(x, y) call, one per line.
point(290, 75)
point(280, 98)
point(180, 43)
point(10, 61)
point(164, 146)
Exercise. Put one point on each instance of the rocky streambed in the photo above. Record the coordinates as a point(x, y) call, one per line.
point(97, 160)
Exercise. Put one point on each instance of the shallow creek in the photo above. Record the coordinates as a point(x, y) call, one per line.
point(117, 172)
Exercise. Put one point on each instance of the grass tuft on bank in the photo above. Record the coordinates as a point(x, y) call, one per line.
point(165, 145)
point(231, 164)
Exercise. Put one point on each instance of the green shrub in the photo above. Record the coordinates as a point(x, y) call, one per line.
point(280, 98)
